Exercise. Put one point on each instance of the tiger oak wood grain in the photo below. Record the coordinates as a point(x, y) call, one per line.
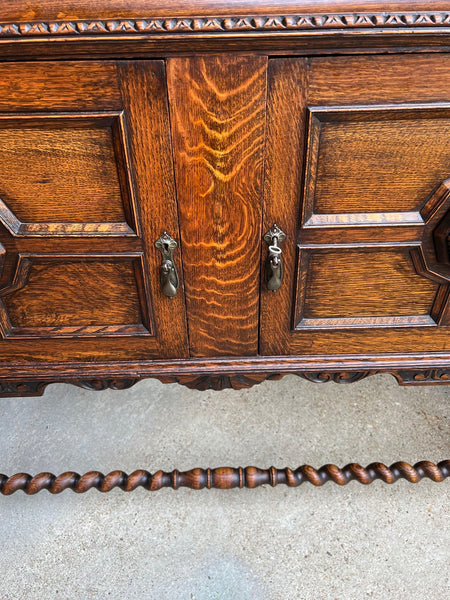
point(83, 303)
point(218, 120)
point(356, 299)
point(63, 164)
point(374, 288)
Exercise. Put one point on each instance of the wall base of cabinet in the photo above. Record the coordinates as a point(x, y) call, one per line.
point(223, 478)
point(198, 379)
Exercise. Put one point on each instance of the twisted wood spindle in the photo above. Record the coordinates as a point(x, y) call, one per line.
point(223, 477)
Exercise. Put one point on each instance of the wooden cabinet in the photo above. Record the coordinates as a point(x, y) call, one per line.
point(328, 123)
point(219, 193)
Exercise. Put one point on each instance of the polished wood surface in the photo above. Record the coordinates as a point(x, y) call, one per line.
point(223, 478)
point(362, 172)
point(207, 123)
point(80, 221)
point(65, 158)
point(236, 125)
point(218, 118)
point(79, 9)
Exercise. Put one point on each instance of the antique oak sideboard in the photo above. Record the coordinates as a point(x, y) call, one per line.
point(218, 193)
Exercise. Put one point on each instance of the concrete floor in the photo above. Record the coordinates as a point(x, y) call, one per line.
point(382, 542)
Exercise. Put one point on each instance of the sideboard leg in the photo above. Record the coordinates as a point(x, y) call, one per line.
point(223, 478)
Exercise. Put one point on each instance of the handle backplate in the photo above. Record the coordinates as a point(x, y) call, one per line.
point(168, 271)
point(274, 265)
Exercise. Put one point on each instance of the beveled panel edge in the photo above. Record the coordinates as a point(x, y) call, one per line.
point(80, 331)
point(301, 323)
point(21, 274)
point(426, 259)
point(363, 219)
point(362, 322)
point(114, 119)
point(316, 115)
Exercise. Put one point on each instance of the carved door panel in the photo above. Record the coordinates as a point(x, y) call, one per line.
point(86, 188)
point(357, 176)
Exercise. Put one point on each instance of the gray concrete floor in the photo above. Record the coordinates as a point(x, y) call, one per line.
point(305, 543)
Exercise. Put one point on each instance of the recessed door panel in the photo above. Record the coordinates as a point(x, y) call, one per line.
point(361, 201)
point(361, 287)
point(75, 181)
point(373, 164)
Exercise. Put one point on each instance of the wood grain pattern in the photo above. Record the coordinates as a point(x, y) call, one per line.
point(71, 173)
point(53, 9)
point(430, 368)
point(388, 306)
point(43, 86)
point(79, 9)
point(375, 160)
point(218, 106)
point(375, 80)
point(286, 135)
point(76, 293)
point(223, 478)
point(144, 96)
point(83, 287)
point(374, 282)
point(218, 119)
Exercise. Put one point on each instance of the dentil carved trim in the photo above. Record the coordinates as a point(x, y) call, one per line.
point(182, 25)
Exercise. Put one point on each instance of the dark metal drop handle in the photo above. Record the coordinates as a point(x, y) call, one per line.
point(168, 272)
point(274, 264)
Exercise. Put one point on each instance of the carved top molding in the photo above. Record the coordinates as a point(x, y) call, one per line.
point(205, 25)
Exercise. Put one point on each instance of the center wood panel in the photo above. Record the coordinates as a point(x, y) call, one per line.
point(218, 122)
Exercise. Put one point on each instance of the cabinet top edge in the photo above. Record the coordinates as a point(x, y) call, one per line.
point(197, 24)
point(54, 10)
point(329, 14)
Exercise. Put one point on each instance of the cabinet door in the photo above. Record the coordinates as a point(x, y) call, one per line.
point(357, 176)
point(86, 188)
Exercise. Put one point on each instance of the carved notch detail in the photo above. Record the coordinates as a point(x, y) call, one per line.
point(236, 24)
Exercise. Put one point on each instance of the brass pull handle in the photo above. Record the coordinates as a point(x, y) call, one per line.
point(274, 264)
point(168, 272)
